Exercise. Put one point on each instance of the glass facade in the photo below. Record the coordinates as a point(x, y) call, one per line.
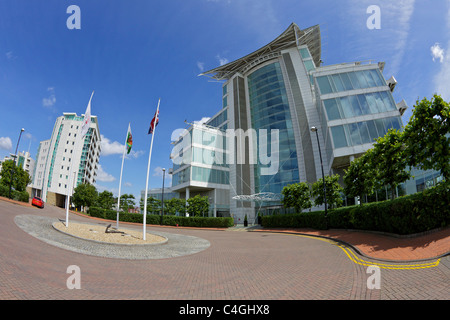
point(357, 133)
point(270, 110)
point(357, 105)
point(350, 81)
point(210, 175)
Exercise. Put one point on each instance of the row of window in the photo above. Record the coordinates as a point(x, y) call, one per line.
point(350, 81)
point(363, 132)
point(210, 175)
point(357, 105)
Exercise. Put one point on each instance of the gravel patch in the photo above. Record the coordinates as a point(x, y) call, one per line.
point(176, 245)
point(118, 236)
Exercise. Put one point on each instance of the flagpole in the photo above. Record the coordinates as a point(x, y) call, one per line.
point(69, 191)
point(148, 171)
point(120, 180)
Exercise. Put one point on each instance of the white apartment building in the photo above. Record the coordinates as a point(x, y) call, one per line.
point(55, 156)
point(23, 160)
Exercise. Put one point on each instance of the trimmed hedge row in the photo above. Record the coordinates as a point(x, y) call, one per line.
point(410, 214)
point(23, 196)
point(169, 220)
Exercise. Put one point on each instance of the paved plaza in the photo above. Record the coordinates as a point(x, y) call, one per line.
point(202, 264)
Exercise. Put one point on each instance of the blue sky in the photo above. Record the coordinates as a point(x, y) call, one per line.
point(134, 52)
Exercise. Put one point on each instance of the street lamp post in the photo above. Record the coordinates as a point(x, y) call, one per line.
point(314, 129)
point(162, 197)
point(12, 169)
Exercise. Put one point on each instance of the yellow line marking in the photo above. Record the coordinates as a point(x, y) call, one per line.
point(352, 256)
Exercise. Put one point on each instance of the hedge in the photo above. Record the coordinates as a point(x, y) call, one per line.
point(410, 214)
point(206, 222)
point(23, 196)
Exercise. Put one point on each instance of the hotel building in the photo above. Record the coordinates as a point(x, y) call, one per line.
point(284, 88)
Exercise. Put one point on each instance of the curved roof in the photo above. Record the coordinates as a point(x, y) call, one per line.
point(292, 35)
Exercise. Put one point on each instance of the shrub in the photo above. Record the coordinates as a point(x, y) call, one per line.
point(170, 220)
point(414, 213)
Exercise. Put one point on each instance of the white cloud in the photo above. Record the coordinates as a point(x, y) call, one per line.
point(201, 66)
point(437, 52)
point(222, 60)
point(10, 55)
point(5, 143)
point(51, 100)
point(442, 78)
point(111, 148)
point(104, 176)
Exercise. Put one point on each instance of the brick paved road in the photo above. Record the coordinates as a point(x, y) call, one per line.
point(236, 266)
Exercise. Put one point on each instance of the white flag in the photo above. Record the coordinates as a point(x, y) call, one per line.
point(87, 118)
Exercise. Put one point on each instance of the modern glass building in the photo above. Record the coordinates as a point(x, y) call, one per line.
point(273, 96)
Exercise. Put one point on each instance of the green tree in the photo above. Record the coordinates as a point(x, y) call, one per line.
point(153, 205)
point(84, 195)
point(297, 195)
point(175, 205)
point(20, 178)
point(198, 206)
point(427, 136)
point(106, 200)
point(333, 192)
point(388, 160)
point(359, 178)
point(127, 201)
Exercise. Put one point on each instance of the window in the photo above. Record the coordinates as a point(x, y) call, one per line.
point(355, 105)
point(346, 107)
point(304, 52)
point(364, 132)
point(354, 133)
point(338, 135)
point(346, 81)
point(324, 85)
point(338, 82)
point(332, 109)
point(309, 65)
point(363, 104)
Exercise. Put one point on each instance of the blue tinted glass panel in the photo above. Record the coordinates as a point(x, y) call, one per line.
point(372, 130)
point(355, 105)
point(338, 82)
point(372, 103)
point(376, 75)
point(324, 85)
point(332, 109)
point(361, 79)
point(354, 80)
point(305, 53)
point(346, 107)
point(338, 135)
point(346, 81)
point(363, 104)
point(369, 79)
point(379, 123)
point(364, 132)
point(380, 103)
point(354, 134)
point(390, 106)
point(309, 65)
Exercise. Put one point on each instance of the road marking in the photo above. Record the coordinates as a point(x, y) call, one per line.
point(352, 256)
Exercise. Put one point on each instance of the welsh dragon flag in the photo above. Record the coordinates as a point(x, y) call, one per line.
point(129, 139)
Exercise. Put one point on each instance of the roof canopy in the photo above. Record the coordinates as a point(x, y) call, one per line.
point(291, 36)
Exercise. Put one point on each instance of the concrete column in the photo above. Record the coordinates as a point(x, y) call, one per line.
point(187, 197)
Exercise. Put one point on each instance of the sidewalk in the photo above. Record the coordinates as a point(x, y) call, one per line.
point(381, 246)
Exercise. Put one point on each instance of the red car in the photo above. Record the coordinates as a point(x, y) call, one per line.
point(38, 202)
